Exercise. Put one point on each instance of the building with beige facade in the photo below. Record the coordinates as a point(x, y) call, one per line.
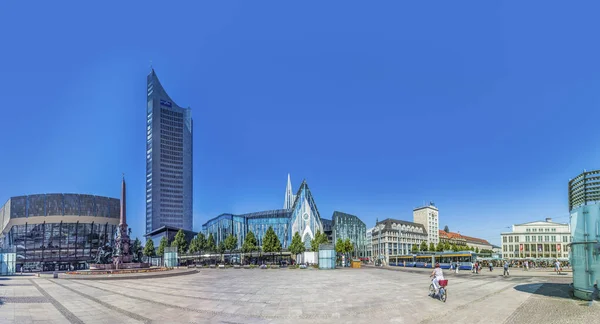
point(540, 239)
point(395, 237)
point(428, 216)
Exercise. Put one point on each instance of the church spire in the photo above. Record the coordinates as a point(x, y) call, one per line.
point(289, 196)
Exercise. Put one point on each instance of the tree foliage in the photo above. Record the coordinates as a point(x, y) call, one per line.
point(231, 242)
point(415, 248)
point(320, 238)
point(180, 242)
point(197, 244)
point(476, 250)
point(250, 244)
point(164, 242)
point(149, 248)
point(210, 244)
point(423, 246)
point(348, 246)
point(297, 247)
point(431, 247)
point(136, 250)
point(221, 247)
point(440, 247)
point(340, 246)
point(271, 242)
point(446, 229)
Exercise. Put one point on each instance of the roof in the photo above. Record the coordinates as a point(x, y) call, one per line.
point(443, 233)
point(541, 223)
point(389, 221)
point(168, 228)
point(346, 215)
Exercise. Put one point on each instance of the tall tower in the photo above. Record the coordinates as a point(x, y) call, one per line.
point(428, 216)
point(289, 196)
point(169, 187)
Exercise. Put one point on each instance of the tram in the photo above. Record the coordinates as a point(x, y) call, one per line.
point(464, 259)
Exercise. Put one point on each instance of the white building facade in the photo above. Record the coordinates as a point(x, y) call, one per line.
point(396, 237)
point(540, 239)
point(428, 216)
point(369, 244)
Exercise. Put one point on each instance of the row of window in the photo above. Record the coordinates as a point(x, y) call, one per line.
point(532, 238)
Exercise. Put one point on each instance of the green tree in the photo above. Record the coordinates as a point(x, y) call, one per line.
point(180, 242)
point(415, 248)
point(454, 247)
point(431, 247)
point(348, 247)
point(440, 247)
point(423, 246)
point(447, 246)
point(231, 243)
point(446, 229)
point(476, 250)
point(221, 248)
point(340, 247)
point(250, 244)
point(136, 250)
point(149, 248)
point(201, 242)
point(164, 242)
point(317, 240)
point(271, 241)
point(297, 247)
point(210, 244)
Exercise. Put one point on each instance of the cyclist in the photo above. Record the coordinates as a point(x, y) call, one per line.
point(437, 275)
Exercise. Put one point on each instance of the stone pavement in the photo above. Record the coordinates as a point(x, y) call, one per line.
point(367, 295)
point(519, 272)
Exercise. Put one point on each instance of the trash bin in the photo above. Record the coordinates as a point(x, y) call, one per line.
point(355, 263)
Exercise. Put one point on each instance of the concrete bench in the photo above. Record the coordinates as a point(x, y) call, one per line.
point(221, 266)
point(212, 266)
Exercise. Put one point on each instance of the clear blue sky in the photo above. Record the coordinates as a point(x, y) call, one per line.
point(486, 108)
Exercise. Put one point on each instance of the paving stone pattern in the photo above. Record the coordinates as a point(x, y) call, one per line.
point(367, 295)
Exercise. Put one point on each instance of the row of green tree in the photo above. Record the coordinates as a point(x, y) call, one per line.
point(200, 244)
point(445, 246)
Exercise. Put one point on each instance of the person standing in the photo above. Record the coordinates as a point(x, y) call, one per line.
point(506, 273)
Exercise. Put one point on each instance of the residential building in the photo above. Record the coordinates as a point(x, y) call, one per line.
point(539, 239)
point(462, 240)
point(58, 231)
point(428, 216)
point(396, 237)
point(346, 226)
point(584, 208)
point(477, 243)
point(169, 153)
point(302, 217)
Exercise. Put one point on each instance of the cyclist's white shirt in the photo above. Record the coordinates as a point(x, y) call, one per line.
point(439, 275)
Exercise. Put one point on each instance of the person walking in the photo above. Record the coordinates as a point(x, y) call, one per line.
point(506, 273)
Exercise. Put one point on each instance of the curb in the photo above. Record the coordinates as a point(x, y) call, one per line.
point(117, 277)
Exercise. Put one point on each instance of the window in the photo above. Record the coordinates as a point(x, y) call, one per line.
point(547, 238)
point(553, 238)
point(516, 239)
point(504, 240)
point(527, 238)
point(533, 238)
point(510, 239)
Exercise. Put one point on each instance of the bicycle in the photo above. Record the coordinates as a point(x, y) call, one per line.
point(443, 292)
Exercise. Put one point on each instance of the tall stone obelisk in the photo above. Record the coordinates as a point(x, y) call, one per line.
point(122, 252)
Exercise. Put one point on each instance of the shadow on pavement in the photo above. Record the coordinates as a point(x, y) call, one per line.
point(559, 290)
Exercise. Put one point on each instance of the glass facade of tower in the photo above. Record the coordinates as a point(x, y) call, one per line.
point(169, 188)
point(346, 226)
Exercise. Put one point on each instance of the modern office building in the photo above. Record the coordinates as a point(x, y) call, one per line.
point(169, 232)
point(169, 188)
point(346, 226)
point(396, 237)
point(57, 231)
point(302, 217)
point(539, 239)
point(428, 216)
point(584, 207)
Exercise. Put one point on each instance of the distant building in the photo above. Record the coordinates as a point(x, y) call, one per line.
point(369, 244)
point(428, 216)
point(327, 229)
point(459, 239)
point(396, 237)
point(169, 232)
point(540, 239)
point(169, 152)
point(346, 226)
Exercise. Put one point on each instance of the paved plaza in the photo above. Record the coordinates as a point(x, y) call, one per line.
point(367, 295)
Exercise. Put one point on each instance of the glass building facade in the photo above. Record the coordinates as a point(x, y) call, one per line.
point(346, 226)
point(169, 154)
point(57, 231)
point(302, 217)
point(584, 206)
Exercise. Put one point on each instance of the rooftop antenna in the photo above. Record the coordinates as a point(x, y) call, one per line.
point(151, 68)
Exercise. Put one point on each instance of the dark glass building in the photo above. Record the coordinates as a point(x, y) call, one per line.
point(169, 155)
point(57, 231)
point(345, 226)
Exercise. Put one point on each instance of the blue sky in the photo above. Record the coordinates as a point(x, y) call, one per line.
point(485, 108)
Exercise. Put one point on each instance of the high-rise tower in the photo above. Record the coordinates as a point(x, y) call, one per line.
point(169, 154)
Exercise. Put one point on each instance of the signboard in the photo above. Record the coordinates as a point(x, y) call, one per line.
point(558, 247)
point(539, 248)
point(165, 103)
point(520, 247)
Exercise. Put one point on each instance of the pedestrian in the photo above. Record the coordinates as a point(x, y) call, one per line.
point(506, 273)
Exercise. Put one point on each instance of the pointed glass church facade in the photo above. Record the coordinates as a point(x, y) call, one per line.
point(300, 214)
